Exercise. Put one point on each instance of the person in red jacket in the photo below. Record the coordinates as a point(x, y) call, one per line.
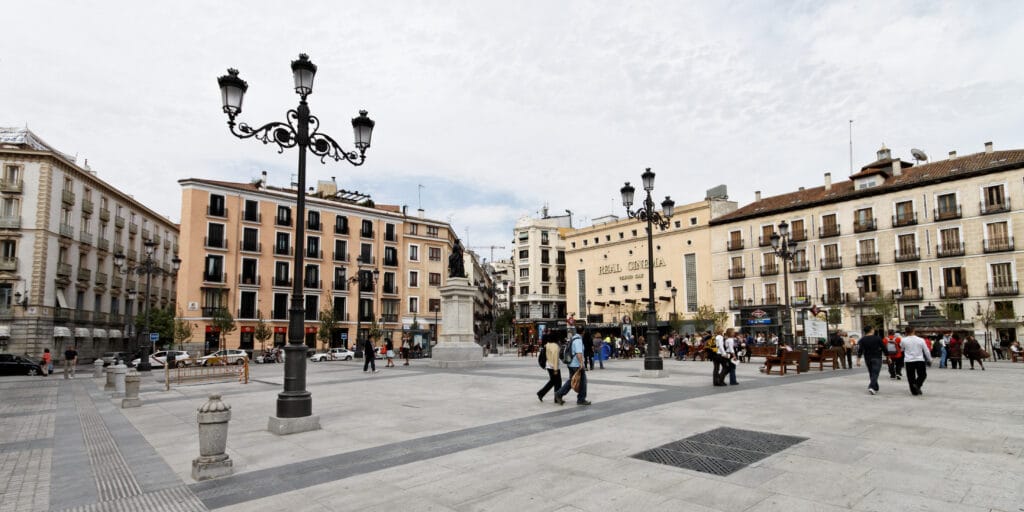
point(895, 355)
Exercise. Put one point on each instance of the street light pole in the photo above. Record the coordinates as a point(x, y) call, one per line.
point(588, 310)
point(300, 130)
point(784, 248)
point(860, 303)
point(675, 315)
point(648, 213)
point(130, 326)
point(148, 267)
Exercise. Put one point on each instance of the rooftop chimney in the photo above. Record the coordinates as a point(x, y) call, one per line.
point(897, 167)
point(828, 181)
point(263, 181)
point(757, 195)
point(952, 155)
point(421, 212)
point(801, 189)
point(988, 147)
point(883, 153)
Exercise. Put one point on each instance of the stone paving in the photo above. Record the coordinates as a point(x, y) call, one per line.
point(418, 438)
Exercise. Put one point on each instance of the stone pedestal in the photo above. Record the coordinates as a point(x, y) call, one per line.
point(285, 426)
point(119, 371)
point(213, 461)
point(109, 385)
point(653, 374)
point(131, 390)
point(97, 369)
point(456, 347)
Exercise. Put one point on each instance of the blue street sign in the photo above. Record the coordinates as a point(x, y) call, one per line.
point(154, 337)
point(344, 335)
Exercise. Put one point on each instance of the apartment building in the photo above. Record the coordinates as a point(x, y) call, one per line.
point(238, 253)
point(60, 227)
point(538, 288)
point(607, 264)
point(940, 233)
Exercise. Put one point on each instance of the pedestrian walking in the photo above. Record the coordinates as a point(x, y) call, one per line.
point(916, 356)
point(955, 351)
point(389, 353)
point(944, 350)
point(405, 350)
point(895, 355)
point(369, 354)
point(70, 360)
point(851, 346)
point(711, 351)
point(974, 352)
point(598, 351)
point(588, 350)
point(577, 364)
point(872, 349)
point(47, 361)
point(730, 355)
point(550, 351)
point(835, 342)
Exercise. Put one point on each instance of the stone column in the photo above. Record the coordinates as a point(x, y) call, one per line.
point(456, 347)
point(97, 369)
point(119, 371)
point(213, 461)
point(109, 386)
point(131, 390)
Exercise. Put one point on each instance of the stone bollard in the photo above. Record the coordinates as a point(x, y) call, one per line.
point(109, 386)
point(119, 371)
point(97, 369)
point(213, 420)
point(131, 390)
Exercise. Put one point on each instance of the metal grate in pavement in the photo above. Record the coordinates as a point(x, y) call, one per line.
point(721, 451)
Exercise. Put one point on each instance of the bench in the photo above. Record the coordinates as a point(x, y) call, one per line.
point(783, 361)
point(826, 355)
point(1016, 357)
point(762, 351)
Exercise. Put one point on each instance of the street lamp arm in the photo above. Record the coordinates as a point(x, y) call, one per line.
point(283, 134)
point(324, 146)
point(654, 216)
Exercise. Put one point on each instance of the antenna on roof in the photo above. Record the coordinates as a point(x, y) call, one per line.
point(918, 155)
point(851, 147)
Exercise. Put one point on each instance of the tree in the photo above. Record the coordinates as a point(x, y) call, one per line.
point(505, 319)
point(884, 307)
point(161, 321)
point(223, 321)
point(262, 332)
point(706, 318)
point(183, 329)
point(835, 316)
point(327, 322)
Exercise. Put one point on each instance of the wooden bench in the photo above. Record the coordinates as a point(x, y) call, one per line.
point(1016, 357)
point(763, 351)
point(783, 361)
point(826, 355)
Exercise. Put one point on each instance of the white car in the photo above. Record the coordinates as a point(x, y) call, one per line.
point(230, 356)
point(158, 359)
point(334, 354)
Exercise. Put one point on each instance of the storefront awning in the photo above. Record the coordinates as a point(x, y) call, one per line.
point(61, 332)
point(82, 332)
point(115, 334)
point(5, 331)
point(99, 333)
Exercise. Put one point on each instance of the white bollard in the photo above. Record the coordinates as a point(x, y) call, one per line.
point(119, 371)
point(97, 369)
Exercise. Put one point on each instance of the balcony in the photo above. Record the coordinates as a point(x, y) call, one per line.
point(252, 216)
point(87, 206)
point(250, 246)
point(147, 236)
point(101, 279)
point(828, 231)
point(132, 285)
point(366, 233)
point(771, 301)
point(64, 270)
point(115, 319)
point(116, 282)
point(283, 221)
point(83, 316)
point(1003, 289)
point(734, 245)
point(119, 221)
point(870, 258)
point(769, 270)
point(340, 285)
point(67, 231)
point(341, 230)
point(86, 237)
point(998, 245)
point(100, 318)
point(314, 254)
point(949, 250)
point(799, 266)
point(798, 235)
point(390, 262)
point(835, 298)
point(247, 313)
point(831, 263)
point(67, 197)
point(118, 248)
point(248, 280)
point(366, 259)
point(133, 228)
point(9, 264)
point(904, 219)
point(103, 244)
point(104, 214)
point(987, 208)
point(863, 225)
point(314, 226)
point(737, 273)
point(764, 241)
point(948, 213)
point(11, 186)
point(390, 290)
point(340, 256)
point(907, 254)
point(215, 243)
point(282, 250)
point(276, 314)
point(132, 255)
point(216, 211)
point(156, 238)
point(313, 283)
point(906, 294)
point(213, 278)
point(10, 221)
point(282, 281)
point(62, 315)
point(800, 300)
point(210, 311)
point(736, 304)
point(953, 292)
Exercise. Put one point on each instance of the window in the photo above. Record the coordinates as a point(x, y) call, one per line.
point(250, 239)
point(863, 220)
point(414, 253)
point(414, 279)
point(737, 263)
point(1002, 277)
point(866, 248)
point(911, 312)
point(435, 253)
point(282, 244)
point(312, 276)
point(908, 281)
point(832, 252)
point(829, 225)
point(341, 225)
point(797, 231)
point(870, 286)
point(281, 274)
point(994, 198)
point(389, 233)
point(391, 256)
point(313, 220)
point(907, 245)
point(339, 308)
point(435, 279)
point(771, 294)
point(389, 309)
point(737, 294)
point(833, 288)
point(946, 207)
point(800, 291)
point(252, 211)
point(524, 272)
point(340, 278)
point(953, 276)
point(432, 231)
point(284, 216)
point(9, 250)
point(625, 288)
point(435, 304)
point(997, 232)
point(524, 311)
point(214, 269)
point(280, 311)
point(366, 253)
point(544, 256)
point(766, 235)
point(216, 207)
point(414, 304)
point(389, 283)
point(215, 235)
point(414, 228)
point(11, 207)
point(524, 290)
point(524, 254)
point(544, 238)
point(367, 230)
point(904, 214)
point(544, 275)
point(249, 266)
point(341, 250)
point(312, 307)
point(365, 310)
point(545, 310)
point(247, 305)
point(12, 174)
point(313, 247)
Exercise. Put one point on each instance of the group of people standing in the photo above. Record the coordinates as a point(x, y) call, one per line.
point(70, 361)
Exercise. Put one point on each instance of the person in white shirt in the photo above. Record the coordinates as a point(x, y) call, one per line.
point(916, 357)
point(729, 353)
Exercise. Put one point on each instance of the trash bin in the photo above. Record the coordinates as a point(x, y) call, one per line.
point(805, 364)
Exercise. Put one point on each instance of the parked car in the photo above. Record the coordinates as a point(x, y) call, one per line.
point(230, 356)
point(110, 358)
point(334, 354)
point(158, 359)
point(11, 364)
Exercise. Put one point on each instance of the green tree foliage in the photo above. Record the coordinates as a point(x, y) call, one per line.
point(223, 320)
point(262, 332)
point(327, 323)
point(183, 329)
point(161, 321)
point(884, 307)
point(707, 318)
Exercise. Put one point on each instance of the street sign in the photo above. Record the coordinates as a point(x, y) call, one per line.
point(344, 336)
point(154, 337)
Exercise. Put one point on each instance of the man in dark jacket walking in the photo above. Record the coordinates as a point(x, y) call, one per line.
point(872, 348)
point(836, 344)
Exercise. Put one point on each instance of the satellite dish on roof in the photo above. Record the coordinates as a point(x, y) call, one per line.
point(919, 155)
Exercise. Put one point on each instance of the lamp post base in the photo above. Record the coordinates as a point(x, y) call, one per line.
point(285, 426)
point(653, 374)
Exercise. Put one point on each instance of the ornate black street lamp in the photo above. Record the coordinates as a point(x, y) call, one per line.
point(860, 302)
point(648, 213)
point(300, 130)
point(675, 315)
point(785, 249)
point(359, 279)
point(149, 267)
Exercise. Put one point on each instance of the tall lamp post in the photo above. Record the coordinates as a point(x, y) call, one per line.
point(860, 303)
point(148, 268)
point(648, 213)
point(784, 248)
point(300, 130)
point(589, 303)
point(130, 326)
point(675, 315)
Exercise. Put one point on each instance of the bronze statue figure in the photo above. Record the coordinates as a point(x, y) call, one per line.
point(456, 268)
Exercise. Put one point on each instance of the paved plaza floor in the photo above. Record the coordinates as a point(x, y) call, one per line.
point(414, 438)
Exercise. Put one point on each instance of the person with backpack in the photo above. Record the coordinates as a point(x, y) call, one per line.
point(894, 356)
point(548, 359)
point(576, 364)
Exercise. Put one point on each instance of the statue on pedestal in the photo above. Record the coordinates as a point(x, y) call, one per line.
point(456, 267)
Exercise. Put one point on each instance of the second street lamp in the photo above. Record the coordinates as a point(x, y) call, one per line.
point(148, 268)
point(300, 130)
point(649, 213)
point(784, 248)
point(675, 315)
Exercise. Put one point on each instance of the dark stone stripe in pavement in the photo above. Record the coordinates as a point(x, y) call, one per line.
point(72, 479)
point(27, 413)
point(268, 482)
point(31, 444)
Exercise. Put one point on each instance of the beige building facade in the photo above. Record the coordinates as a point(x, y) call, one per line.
point(538, 284)
point(607, 265)
point(238, 252)
point(940, 233)
point(60, 227)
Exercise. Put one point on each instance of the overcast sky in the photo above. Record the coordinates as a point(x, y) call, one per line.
point(498, 108)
